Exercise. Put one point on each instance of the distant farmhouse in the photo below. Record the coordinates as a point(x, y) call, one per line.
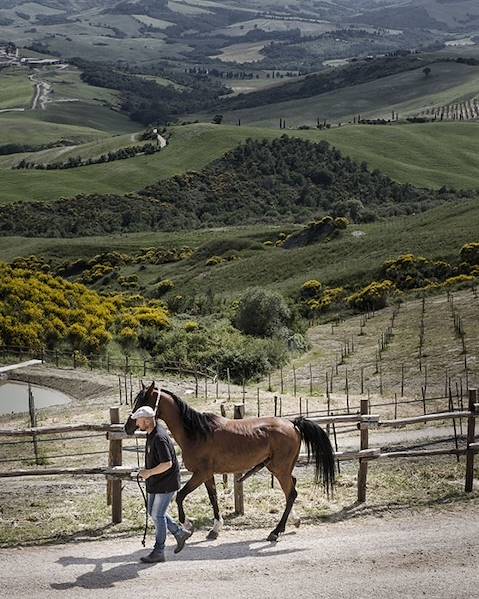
point(9, 55)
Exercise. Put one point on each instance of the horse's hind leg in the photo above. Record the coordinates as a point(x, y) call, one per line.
point(218, 523)
point(288, 484)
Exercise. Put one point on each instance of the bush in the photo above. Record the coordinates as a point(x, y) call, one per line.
point(221, 348)
point(409, 271)
point(470, 253)
point(372, 297)
point(462, 280)
point(341, 223)
point(311, 288)
point(38, 309)
point(262, 313)
point(214, 261)
point(162, 287)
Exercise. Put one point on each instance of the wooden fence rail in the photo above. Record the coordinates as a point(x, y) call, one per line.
point(115, 435)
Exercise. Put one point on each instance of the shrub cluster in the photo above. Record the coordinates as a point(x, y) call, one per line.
point(76, 161)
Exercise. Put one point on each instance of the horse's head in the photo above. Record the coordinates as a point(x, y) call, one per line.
point(147, 396)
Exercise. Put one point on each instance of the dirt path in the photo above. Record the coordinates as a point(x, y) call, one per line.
point(42, 89)
point(431, 554)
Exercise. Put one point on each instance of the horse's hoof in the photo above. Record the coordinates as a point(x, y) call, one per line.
point(212, 535)
point(273, 537)
point(297, 523)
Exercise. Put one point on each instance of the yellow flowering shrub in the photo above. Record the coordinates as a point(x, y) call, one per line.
point(374, 296)
point(470, 253)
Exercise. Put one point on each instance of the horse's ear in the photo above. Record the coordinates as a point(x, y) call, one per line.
point(143, 387)
point(151, 388)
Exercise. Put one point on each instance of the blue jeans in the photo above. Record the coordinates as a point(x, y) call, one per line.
point(157, 505)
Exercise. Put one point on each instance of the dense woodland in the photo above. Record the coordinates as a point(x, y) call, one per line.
point(285, 180)
point(145, 100)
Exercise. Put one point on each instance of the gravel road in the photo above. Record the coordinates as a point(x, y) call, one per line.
point(430, 554)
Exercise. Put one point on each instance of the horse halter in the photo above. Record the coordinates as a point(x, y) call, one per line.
point(157, 403)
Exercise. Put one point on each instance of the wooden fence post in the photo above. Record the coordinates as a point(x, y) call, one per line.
point(471, 433)
point(115, 459)
point(363, 464)
point(33, 422)
point(238, 487)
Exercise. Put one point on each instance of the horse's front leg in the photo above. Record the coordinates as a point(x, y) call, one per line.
point(218, 523)
point(195, 481)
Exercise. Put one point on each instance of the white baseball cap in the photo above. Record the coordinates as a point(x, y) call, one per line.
point(143, 412)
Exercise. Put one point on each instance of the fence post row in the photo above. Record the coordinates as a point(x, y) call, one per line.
point(238, 486)
point(115, 436)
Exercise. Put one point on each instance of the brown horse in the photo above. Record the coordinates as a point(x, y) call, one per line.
point(212, 445)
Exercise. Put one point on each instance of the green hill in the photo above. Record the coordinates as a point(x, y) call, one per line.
point(260, 181)
point(348, 260)
point(405, 93)
point(407, 153)
point(16, 90)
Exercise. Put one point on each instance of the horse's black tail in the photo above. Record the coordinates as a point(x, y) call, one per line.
point(318, 447)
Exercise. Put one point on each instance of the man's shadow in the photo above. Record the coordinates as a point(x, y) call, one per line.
point(129, 565)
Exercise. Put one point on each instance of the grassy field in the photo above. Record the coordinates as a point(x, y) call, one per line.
point(67, 84)
point(407, 153)
point(92, 149)
point(75, 111)
point(28, 128)
point(244, 52)
point(348, 261)
point(16, 90)
point(404, 93)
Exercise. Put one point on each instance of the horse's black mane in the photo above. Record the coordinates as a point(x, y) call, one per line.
point(198, 425)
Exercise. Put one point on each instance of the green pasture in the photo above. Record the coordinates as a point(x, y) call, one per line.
point(347, 261)
point(421, 154)
point(28, 128)
point(405, 93)
point(16, 89)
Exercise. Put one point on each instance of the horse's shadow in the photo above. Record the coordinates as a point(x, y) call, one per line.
point(129, 566)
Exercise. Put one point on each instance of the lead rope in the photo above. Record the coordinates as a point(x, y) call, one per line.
point(143, 542)
point(142, 492)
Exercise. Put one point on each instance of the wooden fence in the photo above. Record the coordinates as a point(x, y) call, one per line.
point(362, 421)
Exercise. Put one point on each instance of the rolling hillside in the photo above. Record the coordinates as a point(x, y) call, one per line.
point(407, 153)
point(405, 93)
point(349, 260)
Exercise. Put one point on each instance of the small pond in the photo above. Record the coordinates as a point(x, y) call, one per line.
point(14, 397)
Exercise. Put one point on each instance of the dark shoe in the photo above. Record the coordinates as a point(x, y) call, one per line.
point(181, 539)
point(153, 558)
